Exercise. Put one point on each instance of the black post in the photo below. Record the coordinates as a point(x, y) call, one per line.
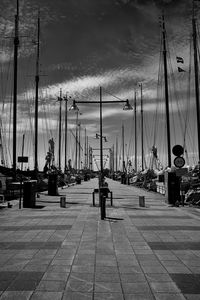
point(16, 45)
point(142, 129)
point(166, 92)
point(196, 70)
point(66, 99)
point(60, 119)
point(36, 97)
point(135, 110)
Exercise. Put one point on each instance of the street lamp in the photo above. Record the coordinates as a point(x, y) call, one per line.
point(127, 106)
point(104, 137)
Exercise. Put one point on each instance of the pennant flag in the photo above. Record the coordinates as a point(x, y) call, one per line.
point(179, 59)
point(180, 69)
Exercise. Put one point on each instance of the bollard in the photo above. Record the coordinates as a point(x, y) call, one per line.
point(62, 201)
point(103, 207)
point(141, 201)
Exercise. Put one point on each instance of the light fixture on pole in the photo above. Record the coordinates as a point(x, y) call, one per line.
point(104, 137)
point(127, 106)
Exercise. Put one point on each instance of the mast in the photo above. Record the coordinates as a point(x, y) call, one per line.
point(22, 150)
point(36, 94)
point(76, 148)
point(101, 137)
point(60, 119)
point(142, 128)
point(66, 99)
point(116, 153)
point(135, 111)
point(16, 45)
point(166, 91)
point(85, 163)
point(196, 71)
point(87, 152)
point(79, 146)
point(123, 161)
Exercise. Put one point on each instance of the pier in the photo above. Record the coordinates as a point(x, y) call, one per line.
point(136, 252)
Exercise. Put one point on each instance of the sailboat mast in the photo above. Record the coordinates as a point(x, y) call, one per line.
point(142, 128)
point(16, 45)
point(135, 110)
point(123, 161)
point(85, 149)
point(66, 129)
point(79, 146)
point(116, 154)
point(196, 71)
point(60, 119)
point(37, 78)
point(166, 91)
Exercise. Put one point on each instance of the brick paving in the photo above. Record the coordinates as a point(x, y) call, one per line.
point(136, 253)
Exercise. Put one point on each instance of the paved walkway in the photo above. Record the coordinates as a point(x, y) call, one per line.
point(70, 253)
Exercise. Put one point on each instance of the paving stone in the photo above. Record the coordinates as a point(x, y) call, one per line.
point(46, 295)
point(108, 287)
point(187, 283)
point(23, 295)
point(164, 287)
point(23, 285)
point(146, 296)
point(76, 285)
point(77, 296)
point(163, 296)
point(136, 288)
point(49, 285)
point(106, 296)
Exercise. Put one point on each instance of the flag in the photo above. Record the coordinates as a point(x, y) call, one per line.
point(180, 69)
point(179, 59)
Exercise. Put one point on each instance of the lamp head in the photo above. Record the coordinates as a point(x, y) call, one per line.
point(127, 106)
point(74, 106)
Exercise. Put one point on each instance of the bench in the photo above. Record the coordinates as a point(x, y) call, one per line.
point(105, 192)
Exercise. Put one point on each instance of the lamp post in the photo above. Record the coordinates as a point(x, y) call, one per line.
point(127, 106)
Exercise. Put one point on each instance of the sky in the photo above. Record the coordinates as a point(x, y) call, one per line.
point(85, 44)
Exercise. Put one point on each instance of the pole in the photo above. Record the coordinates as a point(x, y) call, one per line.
point(79, 145)
point(87, 153)
point(85, 165)
point(22, 150)
point(196, 70)
point(142, 129)
point(123, 161)
point(16, 45)
point(36, 96)
point(135, 111)
point(116, 154)
point(66, 99)
point(166, 92)
point(101, 138)
point(76, 148)
point(60, 119)
point(20, 192)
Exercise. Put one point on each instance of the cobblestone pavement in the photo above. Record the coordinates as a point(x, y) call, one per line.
point(55, 253)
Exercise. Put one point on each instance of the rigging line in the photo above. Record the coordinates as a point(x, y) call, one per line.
point(158, 84)
point(177, 100)
point(188, 95)
point(112, 95)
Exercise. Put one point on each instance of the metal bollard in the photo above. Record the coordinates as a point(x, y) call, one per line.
point(141, 201)
point(62, 201)
point(103, 207)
